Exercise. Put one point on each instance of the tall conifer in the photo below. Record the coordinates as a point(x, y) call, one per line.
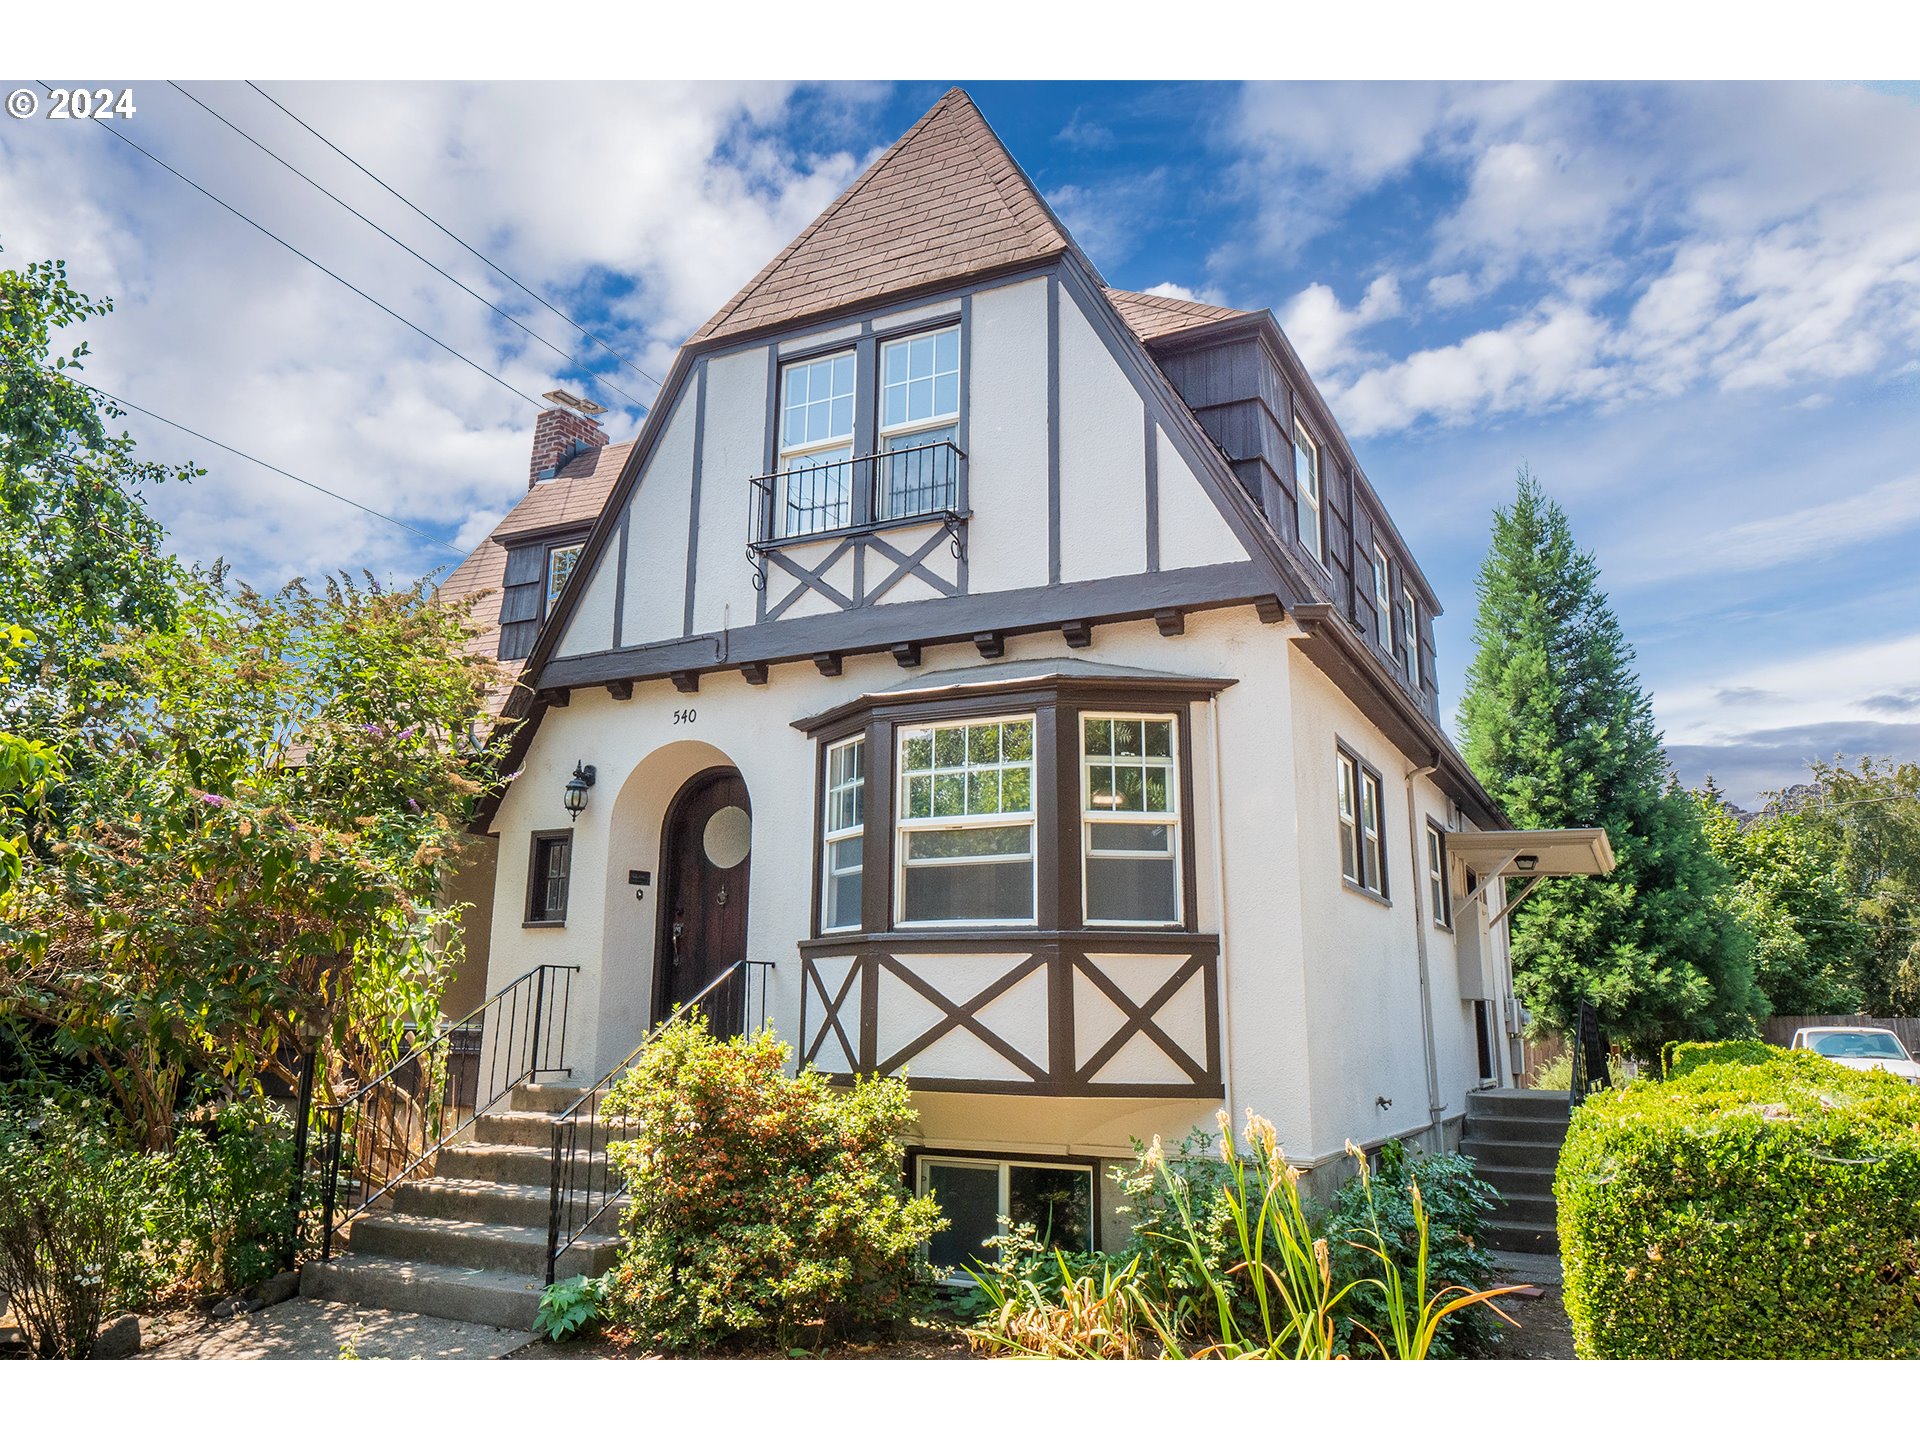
point(1559, 730)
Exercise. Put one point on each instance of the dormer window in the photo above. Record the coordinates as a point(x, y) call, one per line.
point(919, 415)
point(1306, 476)
point(1412, 622)
point(560, 562)
point(1382, 600)
point(816, 441)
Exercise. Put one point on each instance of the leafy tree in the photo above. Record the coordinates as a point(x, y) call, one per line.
point(1869, 816)
point(80, 556)
point(1790, 894)
point(1559, 730)
point(272, 804)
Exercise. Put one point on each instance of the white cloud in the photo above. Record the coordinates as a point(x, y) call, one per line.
point(650, 203)
point(1823, 529)
point(1321, 328)
point(1175, 291)
point(1843, 684)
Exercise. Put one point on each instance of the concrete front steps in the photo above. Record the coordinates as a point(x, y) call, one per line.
point(469, 1242)
point(1513, 1138)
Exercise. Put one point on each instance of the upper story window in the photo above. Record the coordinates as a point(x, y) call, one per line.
point(1382, 600)
point(815, 490)
point(1437, 887)
point(919, 419)
point(1130, 816)
point(964, 851)
point(1411, 620)
point(561, 560)
point(844, 834)
point(1306, 476)
point(1362, 825)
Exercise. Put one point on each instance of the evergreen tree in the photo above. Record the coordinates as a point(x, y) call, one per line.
point(1558, 729)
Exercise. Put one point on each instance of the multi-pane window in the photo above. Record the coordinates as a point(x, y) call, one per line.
point(1362, 825)
point(547, 878)
point(560, 562)
point(1130, 818)
point(1382, 600)
point(1437, 887)
point(1306, 478)
point(919, 419)
point(965, 847)
point(974, 1195)
point(815, 490)
point(844, 828)
point(1411, 620)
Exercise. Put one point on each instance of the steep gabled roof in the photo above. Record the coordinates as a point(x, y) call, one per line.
point(575, 496)
point(945, 201)
point(1152, 317)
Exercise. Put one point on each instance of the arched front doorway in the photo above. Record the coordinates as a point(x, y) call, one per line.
point(705, 857)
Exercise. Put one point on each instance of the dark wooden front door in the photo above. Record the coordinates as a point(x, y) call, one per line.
point(704, 857)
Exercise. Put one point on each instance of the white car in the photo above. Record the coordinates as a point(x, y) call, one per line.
point(1860, 1048)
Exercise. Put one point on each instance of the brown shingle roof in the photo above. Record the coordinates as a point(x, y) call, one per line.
point(1153, 316)
point(945, 201)
point(575, 495)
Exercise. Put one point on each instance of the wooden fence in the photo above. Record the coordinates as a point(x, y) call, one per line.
point(1780, 1028)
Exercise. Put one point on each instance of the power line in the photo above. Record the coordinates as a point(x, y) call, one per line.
point(121, 136)
point(510, 319)
point(524, 288)
point(263, 464)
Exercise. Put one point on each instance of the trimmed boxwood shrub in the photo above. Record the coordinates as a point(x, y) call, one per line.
point(1683, 1056)
point(1758, 1203)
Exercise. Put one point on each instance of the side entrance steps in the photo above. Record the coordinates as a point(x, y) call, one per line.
point(469, 1242)
point(1513, 1138)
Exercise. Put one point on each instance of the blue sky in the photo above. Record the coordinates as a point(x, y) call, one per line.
point(1694, 310)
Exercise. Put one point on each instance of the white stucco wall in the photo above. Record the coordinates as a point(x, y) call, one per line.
point(1103, 496)
point(1007, 438)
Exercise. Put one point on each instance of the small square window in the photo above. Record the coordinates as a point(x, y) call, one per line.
point(549, 873)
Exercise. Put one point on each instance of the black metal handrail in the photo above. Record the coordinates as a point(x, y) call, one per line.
point(585, 1185)
point(390, 1127)
point(914, 482)
point(1590, 1070)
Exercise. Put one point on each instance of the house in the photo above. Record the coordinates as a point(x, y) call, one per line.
point(984, 675)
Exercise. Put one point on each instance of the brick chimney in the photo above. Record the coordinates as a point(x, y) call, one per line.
point(558, 435)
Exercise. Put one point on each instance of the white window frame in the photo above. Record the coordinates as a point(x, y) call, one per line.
point(829, 834)
point(904, 825)
point(548, 589)
point(906, 429)
point(801, 457)
point(1373, 834)
point(1309, 468)
point(921, 1186)
point(1439, 880)
point(1410, 613)
point(1382, 598)
point(1347, 804)
point(1092, 818)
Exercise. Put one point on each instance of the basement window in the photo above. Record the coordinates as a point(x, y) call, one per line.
point(976, 1194)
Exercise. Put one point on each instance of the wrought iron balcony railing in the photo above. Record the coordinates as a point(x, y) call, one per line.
point(854, 492)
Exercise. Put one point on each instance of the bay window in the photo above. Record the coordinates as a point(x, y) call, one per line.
point(1130, 820)
point(843, 835)
point(815, 489)
point(965, 842)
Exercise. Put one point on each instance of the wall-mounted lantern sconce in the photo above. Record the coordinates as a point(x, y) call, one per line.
point(1526, 863)
point(577, 787)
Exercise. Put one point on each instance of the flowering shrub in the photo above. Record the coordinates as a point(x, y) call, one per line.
point(764, 1208)
point(71, 1201)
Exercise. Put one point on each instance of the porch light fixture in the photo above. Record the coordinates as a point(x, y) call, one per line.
point(1524, 862)
point(577, 787)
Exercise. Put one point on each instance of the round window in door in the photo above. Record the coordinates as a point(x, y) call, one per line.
point(705, 848)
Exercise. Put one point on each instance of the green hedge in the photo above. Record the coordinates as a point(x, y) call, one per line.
point(1682, 1056)
point(1758, 1203)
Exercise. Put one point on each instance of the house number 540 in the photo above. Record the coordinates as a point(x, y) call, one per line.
point(685, 717)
